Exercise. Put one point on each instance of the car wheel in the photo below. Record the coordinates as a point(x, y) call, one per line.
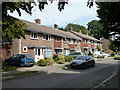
point(93, 64)
point(31, 65)
point(85, 65)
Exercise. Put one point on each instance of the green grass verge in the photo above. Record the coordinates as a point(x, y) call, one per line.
point(99, 60)
point(21, 73)
point(65, 66)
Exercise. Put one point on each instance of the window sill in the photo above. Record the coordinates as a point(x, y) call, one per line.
point(34, 38)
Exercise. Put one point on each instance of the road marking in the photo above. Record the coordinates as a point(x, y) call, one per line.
point(106, 80)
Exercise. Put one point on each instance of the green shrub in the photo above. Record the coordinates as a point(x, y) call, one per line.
point(101, 56)
point(6, 67)
point(42, 62)
point(68, 58)
point(113, 54)
point(61, 59)
point(50, 61)
point(56, 58)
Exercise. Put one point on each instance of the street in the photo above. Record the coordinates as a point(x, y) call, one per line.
point(67, 78)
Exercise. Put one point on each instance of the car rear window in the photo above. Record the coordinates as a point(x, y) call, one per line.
point(118, 54)
point(14, 56)
point(20, 56)
point(81, 57)
point(28, 56)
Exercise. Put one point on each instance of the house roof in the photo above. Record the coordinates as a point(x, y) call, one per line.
point(86, 36)
point(48, 30)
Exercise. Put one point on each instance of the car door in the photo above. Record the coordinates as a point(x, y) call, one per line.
point(13, 59)
point(88, 61)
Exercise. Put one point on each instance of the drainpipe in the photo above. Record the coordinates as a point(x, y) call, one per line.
point(19, 46)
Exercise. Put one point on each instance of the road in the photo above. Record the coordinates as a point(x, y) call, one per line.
point(84, 78)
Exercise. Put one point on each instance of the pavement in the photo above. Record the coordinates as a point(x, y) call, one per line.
point(56, 68)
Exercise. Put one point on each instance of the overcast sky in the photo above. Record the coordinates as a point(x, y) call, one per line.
point(75, 12)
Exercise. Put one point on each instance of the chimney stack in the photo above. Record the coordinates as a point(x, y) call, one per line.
point(70, 29)
point(55, 26)
point(80, 31)
point(87, 33)
point(38, 21)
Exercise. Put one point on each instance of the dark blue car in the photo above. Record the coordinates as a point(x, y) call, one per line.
point(20, 60)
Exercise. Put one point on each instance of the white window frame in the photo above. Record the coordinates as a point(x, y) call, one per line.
point(25, 50)
point(72, 41)
point(33, 35)
point(78, 42)
point(92, 42)
point(88, 41)
point(85, 41)
point(66, 40)
point(56, 39)
point(95, 43)
point(49, 37)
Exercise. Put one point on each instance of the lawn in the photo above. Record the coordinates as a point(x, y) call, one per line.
point(21, 73)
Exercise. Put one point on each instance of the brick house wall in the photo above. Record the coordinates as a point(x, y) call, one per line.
point(6, 51)
point(36, 42)
point(57, 44)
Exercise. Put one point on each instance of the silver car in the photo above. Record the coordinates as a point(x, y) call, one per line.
point(82, 62)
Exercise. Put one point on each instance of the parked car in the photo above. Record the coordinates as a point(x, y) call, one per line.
point(20, 60)
point(98, 54)
point(82, 62)
point(117, 57)
point(75, 54)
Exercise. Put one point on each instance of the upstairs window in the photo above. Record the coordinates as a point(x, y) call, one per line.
point(66, 40)
point(88, 41)
point(46, 37)
point(95, 43)
point(85, 41)
point(92, 42)
point(71, 41)
point(34, 35)
point(78, 42)
point(57, 39)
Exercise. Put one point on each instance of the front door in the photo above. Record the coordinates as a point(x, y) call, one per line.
point(39, 54)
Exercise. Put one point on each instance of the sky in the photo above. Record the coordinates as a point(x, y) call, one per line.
point(75, 12)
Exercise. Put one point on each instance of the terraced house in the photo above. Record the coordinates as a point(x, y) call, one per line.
point(42, 41)
point(89, 43)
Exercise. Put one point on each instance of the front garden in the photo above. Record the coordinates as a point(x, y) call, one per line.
point(56, 59)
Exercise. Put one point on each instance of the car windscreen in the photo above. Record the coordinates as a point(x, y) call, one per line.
point(118, 54)
point(28, 56)
point(14, 56)
point(72, 53)
point(81, 58)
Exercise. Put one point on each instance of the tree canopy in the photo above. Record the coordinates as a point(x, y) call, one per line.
point(109, 14)
point(95, 28)
point(12, 27)
point(76, 27)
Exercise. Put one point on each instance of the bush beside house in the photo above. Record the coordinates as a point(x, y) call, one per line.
point(6, 67)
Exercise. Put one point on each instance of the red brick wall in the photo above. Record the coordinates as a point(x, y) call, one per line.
point(35, 42)
point(72, 45)
point(84, 44)
point(57, 44)
point(6, 51)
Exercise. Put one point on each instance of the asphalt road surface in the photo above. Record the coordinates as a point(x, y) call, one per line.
point(85, 78)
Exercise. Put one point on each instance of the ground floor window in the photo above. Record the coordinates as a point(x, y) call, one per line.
point(85, 50)
point(57, 51)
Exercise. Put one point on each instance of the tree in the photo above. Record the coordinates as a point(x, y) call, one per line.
point(12, 27)
point(113, 46)
point(95, 28)
point(75, 27)
point(109, 13)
